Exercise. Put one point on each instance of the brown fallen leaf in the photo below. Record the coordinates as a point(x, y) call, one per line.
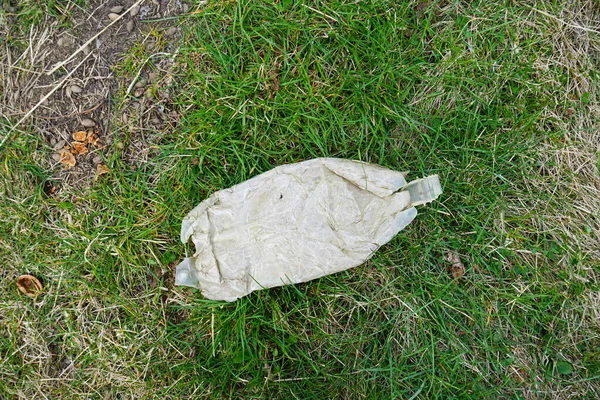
point(29, 285)
point(457, 269)
point(67, 158)
point(101, 169)
point(80, 136)
point(78, 148)
point(92, 137)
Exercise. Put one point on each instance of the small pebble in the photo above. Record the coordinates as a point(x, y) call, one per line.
point(97, 159)
point(59, 145)
point(149, 94)
point(195, 161)
point(138, 92)
point(171, 31)
point(76, 89)
point(52, 141)
point(135, 105)
point(129, 26)
point(56, 157)
point(124, 118)
point(116, 9)
point(134, 11)
point(88, 123)
point(120, 146)
point(60, 42)
point(155, 121)
point(141, 83)
point(86, 50)
point(152, 76)
point(113, 16)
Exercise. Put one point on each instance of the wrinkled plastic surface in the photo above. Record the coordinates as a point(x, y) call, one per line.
point(295, 223)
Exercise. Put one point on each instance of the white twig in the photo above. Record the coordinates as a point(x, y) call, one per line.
point(320, 13)
point(90, 40)
point(42, 100)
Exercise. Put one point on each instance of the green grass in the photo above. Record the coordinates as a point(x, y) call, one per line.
point(477, 94)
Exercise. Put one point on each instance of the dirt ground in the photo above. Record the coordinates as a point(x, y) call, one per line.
point(78, 67)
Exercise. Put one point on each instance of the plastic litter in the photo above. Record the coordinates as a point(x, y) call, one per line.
point(296, 223)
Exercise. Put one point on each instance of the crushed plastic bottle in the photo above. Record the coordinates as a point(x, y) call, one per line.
point(296, 223)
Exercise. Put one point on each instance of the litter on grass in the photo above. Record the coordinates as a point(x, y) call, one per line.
point(296, 223)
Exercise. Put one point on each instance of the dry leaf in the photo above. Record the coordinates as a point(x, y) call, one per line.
point(80, 136)
point(29, 285)
point(100, 144)
point(457, 269)
point(92, 137)
point(67, 158)
point(78, 148)
point(101, 169)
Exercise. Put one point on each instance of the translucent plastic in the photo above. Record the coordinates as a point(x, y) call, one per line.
point(295, 223)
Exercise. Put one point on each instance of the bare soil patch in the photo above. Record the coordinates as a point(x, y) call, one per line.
point(95, 91)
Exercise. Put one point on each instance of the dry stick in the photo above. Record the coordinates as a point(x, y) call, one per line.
point(43, 99)
point(320, 13)
point(90, 40)
point(74, 114)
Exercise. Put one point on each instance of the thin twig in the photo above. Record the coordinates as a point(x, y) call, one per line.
point(320, 13)
point(21, 69)
point(90, 40)
point(42, 100)
point(74, 114)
